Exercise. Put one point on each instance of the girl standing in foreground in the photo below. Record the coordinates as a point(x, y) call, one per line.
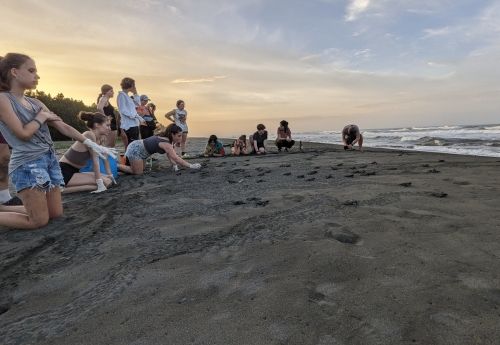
point(78, 154)
point(139, 150)
point(33, 167)
point(179, 117)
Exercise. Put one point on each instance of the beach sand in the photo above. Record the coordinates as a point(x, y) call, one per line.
point(317, 247)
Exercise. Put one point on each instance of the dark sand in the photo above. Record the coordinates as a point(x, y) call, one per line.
point(322, 247)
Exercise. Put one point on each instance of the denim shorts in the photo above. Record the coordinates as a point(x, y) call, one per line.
point(42, 173)
point(136, 151)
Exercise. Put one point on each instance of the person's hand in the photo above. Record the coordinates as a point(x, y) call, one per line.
point(175, 167)
point(349, 147)
point(195, 166)
point(47, 116)
point(258, 152)
point(102, 151)
point(112, 178)
point(100, 186)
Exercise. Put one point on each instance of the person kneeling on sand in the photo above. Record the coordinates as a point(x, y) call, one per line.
point(240, 146)
point(140, 150)
point(214, 147)
point(78, 154)
point(284, 137)
point(258, 138)
point(350, 136)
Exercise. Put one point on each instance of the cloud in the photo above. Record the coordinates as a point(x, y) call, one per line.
point(355, 8)
point(428, 33)
point(198, 80)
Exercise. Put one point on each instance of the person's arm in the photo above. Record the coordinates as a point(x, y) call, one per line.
point(124, 107)
point(170, 115)
point(102, 104)
point(95, 156)
point(289, 134)
point(172, 156)
point(20, 130)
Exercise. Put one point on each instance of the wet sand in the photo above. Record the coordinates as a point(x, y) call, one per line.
point(316, 247)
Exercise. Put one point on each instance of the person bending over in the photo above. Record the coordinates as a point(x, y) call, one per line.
point(351, 136)
point(257, 140)
point(284, 137)
point(140, 150)
point(33, 168)
point(214, 147)
point(78, 154)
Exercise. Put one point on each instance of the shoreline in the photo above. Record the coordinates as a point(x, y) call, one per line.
point(315, 247)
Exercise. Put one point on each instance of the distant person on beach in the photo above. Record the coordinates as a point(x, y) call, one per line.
point(104, 107)
point(240, 146)
point(284, 137)
point(351, 136)
point(147, 113)
point(77, 155)
point(129, 118)
point(33, 168)
point(140, 150)
point(257, 140)
point(214, 147)
point(179, 117)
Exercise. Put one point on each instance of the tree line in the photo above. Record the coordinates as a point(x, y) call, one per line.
point(66, 108)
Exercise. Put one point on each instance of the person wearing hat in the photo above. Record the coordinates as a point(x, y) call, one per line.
point(147, 113)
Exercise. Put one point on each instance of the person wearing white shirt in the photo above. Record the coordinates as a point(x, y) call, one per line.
point(130, 120)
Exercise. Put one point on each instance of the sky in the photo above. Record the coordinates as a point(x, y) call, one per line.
point(320, 64)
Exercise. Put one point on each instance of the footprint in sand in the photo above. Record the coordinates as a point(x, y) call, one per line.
point(461, 182)
point(345, 236)
point(392, 168)
point(316, 167)
point(314, 172)
point(287, 174)
point(262, 203)
point(425, 165)
point(405, 184)
point(433, 171)
point(350, 203)
point(260, 181)
point(247, 176)
point(285, 165)
point(310, 179)
point(239, 202)
point(369, 173)
point(374, 163)
point(349, 175)
point(334, 168)
point(261, 174)
point(329, 176)
point(300, 176)
point(441, 161)
point(438, 194)
point(340, 164)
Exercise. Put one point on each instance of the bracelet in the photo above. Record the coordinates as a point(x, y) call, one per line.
point(38, 121)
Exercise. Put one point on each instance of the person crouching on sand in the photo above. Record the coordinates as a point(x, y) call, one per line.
point(78, 154)
point(257, 140)
point(351, 136)
point(284, 137)
point(140, 150)
point(214, 147)
point(240, 146)
point(33, 168)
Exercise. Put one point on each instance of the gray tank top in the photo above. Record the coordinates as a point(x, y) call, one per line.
point(151, 144)
point(39, 144)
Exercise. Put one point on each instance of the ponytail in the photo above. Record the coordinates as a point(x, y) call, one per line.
point(91, 119)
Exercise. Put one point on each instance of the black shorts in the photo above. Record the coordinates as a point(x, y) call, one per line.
point(132, 134)
point(67, 171)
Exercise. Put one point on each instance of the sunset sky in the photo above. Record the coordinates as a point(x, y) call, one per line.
point(320, 64)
